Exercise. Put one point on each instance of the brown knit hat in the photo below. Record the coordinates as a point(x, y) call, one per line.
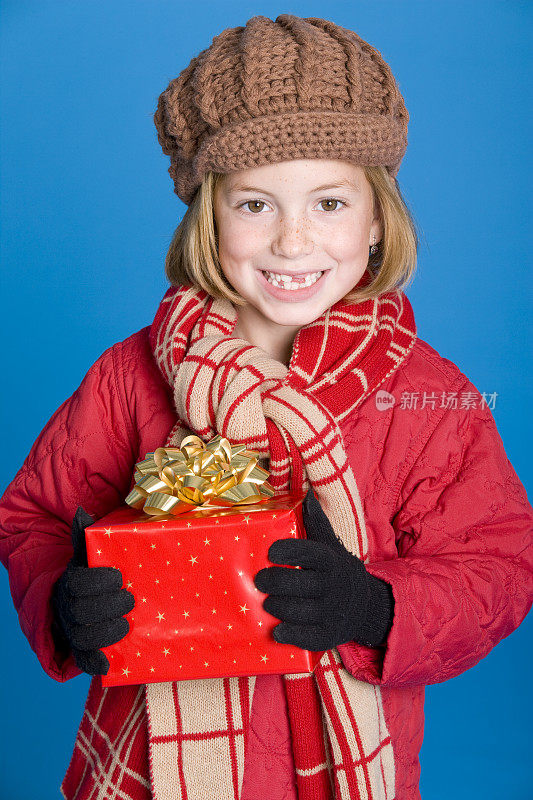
point(277, 90)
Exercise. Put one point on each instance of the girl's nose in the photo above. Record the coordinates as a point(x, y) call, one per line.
point(292, 239)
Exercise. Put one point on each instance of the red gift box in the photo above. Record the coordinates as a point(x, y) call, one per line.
point(197, 611)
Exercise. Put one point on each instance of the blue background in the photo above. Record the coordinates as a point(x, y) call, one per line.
point(87, 214)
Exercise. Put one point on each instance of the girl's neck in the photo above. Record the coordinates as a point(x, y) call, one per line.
point(276, 340)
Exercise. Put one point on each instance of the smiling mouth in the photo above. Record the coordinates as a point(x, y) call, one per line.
point(292, 282)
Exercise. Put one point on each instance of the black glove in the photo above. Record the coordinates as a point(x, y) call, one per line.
point(333, 599)
point(89, 604)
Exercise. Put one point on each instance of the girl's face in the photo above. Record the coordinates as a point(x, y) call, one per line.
point(293, 218)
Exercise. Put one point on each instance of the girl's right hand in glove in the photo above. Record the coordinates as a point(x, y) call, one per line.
point(89, 604)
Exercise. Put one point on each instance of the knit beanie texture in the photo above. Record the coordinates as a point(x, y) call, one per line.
point(274, 90)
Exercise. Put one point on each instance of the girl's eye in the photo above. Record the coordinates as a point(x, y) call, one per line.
point(261, 203)
point(331, 200)
point(252, 202)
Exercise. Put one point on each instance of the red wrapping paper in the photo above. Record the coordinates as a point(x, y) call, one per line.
point(197, 611)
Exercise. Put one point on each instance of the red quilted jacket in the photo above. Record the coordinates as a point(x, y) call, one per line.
point(449, 527)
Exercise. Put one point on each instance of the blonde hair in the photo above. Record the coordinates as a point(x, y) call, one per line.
point(192, 258)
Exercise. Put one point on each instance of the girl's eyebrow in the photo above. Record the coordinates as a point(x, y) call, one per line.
point(342, 184)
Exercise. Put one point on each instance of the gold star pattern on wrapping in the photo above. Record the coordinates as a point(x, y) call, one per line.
point(194, 598)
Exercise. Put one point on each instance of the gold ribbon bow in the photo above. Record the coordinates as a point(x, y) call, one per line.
point(171, 480)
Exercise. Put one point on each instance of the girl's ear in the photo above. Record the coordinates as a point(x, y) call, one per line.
point(377, 221)
point(376, 229)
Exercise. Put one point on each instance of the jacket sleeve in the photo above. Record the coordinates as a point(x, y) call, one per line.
point(463, 578)
point(83, 456)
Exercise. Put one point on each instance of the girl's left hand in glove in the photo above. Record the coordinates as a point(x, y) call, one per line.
point(332, 599)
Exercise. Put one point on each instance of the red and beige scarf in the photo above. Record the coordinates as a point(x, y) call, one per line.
point(291, 415)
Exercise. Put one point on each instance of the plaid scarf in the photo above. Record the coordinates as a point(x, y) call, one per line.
point(198, 729)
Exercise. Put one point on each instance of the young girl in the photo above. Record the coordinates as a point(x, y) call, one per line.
point(285, 327)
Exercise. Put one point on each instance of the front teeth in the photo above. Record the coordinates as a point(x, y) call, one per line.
point(286, 282)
